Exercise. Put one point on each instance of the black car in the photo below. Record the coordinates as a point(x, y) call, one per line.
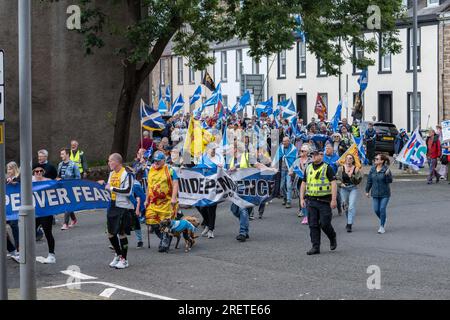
point(386, 133)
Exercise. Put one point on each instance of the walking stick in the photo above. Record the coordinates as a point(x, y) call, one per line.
point(148, 235)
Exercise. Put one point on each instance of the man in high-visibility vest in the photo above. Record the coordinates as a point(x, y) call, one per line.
point(77, 156)
point(318, 194)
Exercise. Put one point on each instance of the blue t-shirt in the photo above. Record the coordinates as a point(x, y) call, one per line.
point(181, 225)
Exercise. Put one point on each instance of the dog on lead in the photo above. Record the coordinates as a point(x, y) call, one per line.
point(186, 227)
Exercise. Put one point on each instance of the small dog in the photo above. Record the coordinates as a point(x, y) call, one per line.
point(186, 227)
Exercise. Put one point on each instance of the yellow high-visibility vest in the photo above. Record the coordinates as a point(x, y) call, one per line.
point(77, 159)
point(317, 183)
point(244, 163)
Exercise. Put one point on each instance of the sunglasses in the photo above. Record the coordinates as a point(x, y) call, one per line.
point(38, 171)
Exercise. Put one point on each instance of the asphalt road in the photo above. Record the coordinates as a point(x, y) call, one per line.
point(413, 256)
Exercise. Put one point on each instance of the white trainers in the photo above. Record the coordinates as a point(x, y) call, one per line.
point(16, 257)
point(205, 232)
point(50, 259)
point(65, 227)
point(122, 264)
point(115, 261)
point(381, 230)
point(210, 235)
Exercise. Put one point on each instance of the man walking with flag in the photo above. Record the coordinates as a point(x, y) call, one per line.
point(287, 154)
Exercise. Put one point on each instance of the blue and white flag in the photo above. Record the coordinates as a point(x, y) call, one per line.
point(177, 105)
point(243, 102)
point(215, 97)
point(54, 197)
point(196, 96)
point(361, 150)
point(151, 119)
point(363, 80)
point(162, 107)
point(288, 156)
point(336, 118)
point(288, 109)
point(414, 152)
point(266, 107)
point(168, 94)
point(299, 29)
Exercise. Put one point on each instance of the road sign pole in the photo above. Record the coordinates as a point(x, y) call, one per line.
point(26, 212)
point(3, 274)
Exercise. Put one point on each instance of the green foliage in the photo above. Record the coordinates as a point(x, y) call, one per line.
point(267, 26)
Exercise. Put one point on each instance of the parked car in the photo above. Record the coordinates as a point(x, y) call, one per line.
point(386, 133)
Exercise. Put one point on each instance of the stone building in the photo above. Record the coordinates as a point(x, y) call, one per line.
point(73, 96)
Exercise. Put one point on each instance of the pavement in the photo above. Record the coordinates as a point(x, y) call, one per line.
point(412, 256)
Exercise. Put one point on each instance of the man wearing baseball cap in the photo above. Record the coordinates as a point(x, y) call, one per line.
point(318, 194)
point(162, 193)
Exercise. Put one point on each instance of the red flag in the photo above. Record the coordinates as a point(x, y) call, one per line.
point(321, 108)
point(219, 110)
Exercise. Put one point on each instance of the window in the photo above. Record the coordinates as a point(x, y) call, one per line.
point(225, 100)
point(321, 72)
point(413, 115)
point(162, 72)
point(301, 59)
point(223, 63)
point(239, 66)
point(385, 60)
point(281, 97)
point(191, 75)
point(255, 67)
point(180, 70)
point(432, 3)
point(410, 49)
point(358, 53)
point(282, 64)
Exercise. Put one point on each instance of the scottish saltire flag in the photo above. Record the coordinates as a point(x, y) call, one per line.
point(414, 153)
point(266, 107)
point(160, 93)
point(148, 153)
point(288, 109)
point(177, 105)
point(196, 96)
point(198, 112)
point(361, 150)
point(243, 102)
point(151, 119)
point(162, 107)
point(215, 97)
point(299, 29)
point(298, 171)
point(363, 80)
point(295, 131)
point(288, 156)
point(336, 118)
point(167, 94)
point(204, 125)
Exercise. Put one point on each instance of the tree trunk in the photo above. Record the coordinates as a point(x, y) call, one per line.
point(124, 111)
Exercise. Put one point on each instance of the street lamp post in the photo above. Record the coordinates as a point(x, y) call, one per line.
point(26, 211)
point(416, 106)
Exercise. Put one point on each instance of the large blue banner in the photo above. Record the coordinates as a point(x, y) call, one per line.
point(55, 197)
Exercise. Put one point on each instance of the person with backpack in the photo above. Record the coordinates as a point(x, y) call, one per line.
point(162, 194)
point(120, 184)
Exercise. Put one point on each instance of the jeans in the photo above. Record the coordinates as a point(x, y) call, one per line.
point(349, 195)
point(432, 163)
point(243, 215)
point(319, 217)
point(15, 231)
point(68, 216)
point(286, 185)
point(379, 206)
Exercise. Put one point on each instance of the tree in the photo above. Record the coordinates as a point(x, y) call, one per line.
point(267, 25)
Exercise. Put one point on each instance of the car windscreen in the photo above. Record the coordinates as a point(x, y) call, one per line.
point(386, 130)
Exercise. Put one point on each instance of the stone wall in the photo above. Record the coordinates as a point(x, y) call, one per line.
point(73, 96)
point(444, 70)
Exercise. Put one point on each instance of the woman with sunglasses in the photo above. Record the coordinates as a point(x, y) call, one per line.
point(45, 222)
point(378, 181)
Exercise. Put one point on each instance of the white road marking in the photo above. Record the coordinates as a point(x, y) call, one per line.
point(112, 285)
point(77, 275)
point(107, 293)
